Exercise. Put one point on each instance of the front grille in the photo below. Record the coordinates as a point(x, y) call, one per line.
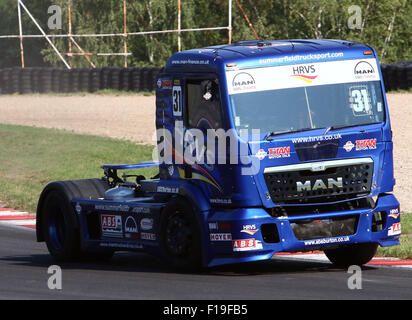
point(296, 210)
point(325, 228)
point(333, 183)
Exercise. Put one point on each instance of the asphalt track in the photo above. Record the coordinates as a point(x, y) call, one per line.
point(24, 264)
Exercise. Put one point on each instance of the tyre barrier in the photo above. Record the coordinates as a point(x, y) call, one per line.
point(44, 80)
point(64, 84)
point(95, 80)
point(396, 76)
point(125, 79)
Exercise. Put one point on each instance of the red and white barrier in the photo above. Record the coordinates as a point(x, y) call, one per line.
point(319, 256)
point(15, 218)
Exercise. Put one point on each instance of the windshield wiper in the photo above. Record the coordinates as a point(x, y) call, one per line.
point(349, 126)
point(278, 133)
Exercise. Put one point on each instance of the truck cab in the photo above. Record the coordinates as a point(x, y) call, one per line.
point(263, 147)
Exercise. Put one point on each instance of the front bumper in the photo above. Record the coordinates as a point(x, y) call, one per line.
point(251, 234)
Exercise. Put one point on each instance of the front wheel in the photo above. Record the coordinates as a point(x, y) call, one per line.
point(180, 235)
point(356, 254)
point(61, 236)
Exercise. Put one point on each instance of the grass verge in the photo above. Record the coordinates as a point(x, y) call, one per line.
point(32, 157)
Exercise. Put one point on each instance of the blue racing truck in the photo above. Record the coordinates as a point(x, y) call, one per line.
point(262, 147)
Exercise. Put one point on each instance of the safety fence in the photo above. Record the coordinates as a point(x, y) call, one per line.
point(397, 76)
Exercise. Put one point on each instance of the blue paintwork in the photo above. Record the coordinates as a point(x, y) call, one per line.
point(130, 166)
point(217, 253)
point(246, 195)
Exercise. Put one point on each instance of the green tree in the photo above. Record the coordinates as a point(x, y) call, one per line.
point(10, 48)
point(385, 25)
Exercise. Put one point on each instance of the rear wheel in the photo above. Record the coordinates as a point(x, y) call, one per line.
point(180, 235)
point(57, 222)
point(356, 254)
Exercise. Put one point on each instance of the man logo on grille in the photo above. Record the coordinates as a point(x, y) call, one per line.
point(319, 184)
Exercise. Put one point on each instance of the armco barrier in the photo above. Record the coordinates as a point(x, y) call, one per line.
point(396, 76)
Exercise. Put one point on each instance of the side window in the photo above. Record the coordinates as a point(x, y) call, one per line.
point(203, 104)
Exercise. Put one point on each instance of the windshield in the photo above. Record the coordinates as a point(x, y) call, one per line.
point(311, 107)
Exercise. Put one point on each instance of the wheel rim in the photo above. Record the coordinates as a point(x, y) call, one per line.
point(179, 236)
point(57, 228)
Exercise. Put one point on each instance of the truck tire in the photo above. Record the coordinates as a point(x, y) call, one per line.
point(57, 222)
point(356, 254)
point(60, 232)
point(180, 235)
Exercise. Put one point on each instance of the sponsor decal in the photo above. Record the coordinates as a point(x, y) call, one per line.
point(261, 154)
point(146, 224)
point(281, 152)
point(305, 73)
point(120, 245)
point(122, 208)
point(191, 61)
point(164, 83)
point(297, 58)
point(221, 201)
point(220, 237)
point(246, 245)
point(130, 228)
point(395, 229)
point(348, 146)
point(111, 225)
point(213, 226)
point(300, 75)
point(130, 225)
point(364, 70)
point(394, 213)
point(326, 137)
point(148, 236)
point(250, 229)
point(243, 81)
point(219, 226)
point(141, 210)
point(326, 241)
point(367, 144)
point(167, 189)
